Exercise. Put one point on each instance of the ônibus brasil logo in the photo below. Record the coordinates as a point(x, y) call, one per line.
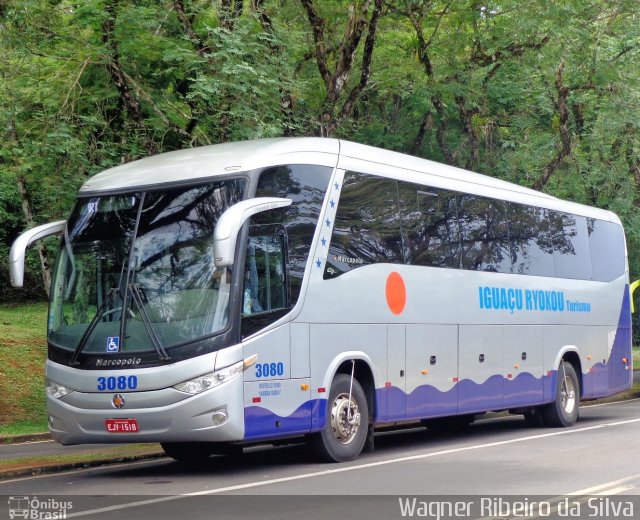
point(34, 508)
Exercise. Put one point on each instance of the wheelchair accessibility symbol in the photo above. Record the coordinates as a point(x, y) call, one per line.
point(113, 344)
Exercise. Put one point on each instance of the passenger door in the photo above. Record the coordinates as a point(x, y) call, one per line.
point(275, 404)
point(265, 291)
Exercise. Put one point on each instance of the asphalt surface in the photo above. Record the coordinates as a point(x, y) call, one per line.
point(499, 456)
point(43, 446)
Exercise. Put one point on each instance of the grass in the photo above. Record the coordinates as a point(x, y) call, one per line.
point(23, 351)
point(25, 427)
point(111, 454)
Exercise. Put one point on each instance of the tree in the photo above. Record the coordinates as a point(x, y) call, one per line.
point(546, 95)
point(342, 53)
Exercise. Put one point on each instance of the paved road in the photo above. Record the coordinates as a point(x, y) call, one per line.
point(41, 448)
point(497, 456)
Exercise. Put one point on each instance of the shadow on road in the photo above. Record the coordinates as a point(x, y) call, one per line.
point(388, 443)
point(405, 441)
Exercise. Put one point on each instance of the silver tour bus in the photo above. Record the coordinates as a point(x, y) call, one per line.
point(316, 289)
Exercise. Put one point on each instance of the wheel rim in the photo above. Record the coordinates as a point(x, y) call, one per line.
point(568, 395)
point(345, 418)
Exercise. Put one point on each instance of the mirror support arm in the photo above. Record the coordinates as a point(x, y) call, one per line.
point(226, 232)
point(17, 253)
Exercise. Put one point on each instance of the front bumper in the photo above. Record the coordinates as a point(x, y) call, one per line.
point(166, 415)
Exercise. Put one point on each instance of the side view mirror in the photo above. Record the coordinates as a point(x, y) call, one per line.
point(226, 232)
point(18, 248)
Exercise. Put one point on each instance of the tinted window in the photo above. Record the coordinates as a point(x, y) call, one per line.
point(383, 220)
point(532, 239)
point(367, 227)
point(430, 225)
point(306, 185)
point(607, 249)
point(155, 276)
point(571, 253)
point(264, 278)
point(484, 234)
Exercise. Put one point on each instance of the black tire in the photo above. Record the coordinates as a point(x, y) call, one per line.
point(564, 410)
point(343, 439)
point(191, 453)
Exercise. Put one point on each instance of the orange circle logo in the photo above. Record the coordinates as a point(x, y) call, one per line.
point(118, 401)
point(396, 293)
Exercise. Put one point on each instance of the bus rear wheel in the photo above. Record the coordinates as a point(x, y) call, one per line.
point(345, 432)
point(564, 410)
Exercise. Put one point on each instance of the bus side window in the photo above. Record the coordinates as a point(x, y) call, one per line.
point(367, 228)
point(429, 221)
point(266, 294)
point(606, 240)
point(306, 186)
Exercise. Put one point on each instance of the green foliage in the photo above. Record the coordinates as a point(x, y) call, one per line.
point(88, 85)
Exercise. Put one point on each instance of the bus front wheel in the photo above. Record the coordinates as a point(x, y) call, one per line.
point(345, 431)
point(189, 453)
point(563, 411)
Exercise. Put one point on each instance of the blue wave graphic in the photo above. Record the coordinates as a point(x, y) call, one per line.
point(466, 396)
point(260, 423)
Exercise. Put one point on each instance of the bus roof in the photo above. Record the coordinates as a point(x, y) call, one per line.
point(208, 162)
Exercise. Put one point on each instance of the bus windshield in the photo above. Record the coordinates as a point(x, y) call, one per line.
point(136, 271)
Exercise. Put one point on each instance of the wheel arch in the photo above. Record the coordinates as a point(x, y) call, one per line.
point(571, 355)
point(362, 372)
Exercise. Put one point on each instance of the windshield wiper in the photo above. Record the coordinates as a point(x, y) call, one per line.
point(98, 316)
point(136, 296)
point(92, 325)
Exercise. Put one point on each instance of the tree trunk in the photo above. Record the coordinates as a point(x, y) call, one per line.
point(565, 137)
point(230, 11)
point(336, 81)
point(466, 117)
point(425, 125)
point(286, 96)
point(127, 98)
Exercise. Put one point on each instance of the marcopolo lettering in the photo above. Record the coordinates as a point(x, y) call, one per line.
point(121, 362)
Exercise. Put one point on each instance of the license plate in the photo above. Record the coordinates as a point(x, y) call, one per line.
point(122, 425)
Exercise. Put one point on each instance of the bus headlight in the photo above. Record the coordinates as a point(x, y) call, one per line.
point(55, 390)
point(207, 381)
